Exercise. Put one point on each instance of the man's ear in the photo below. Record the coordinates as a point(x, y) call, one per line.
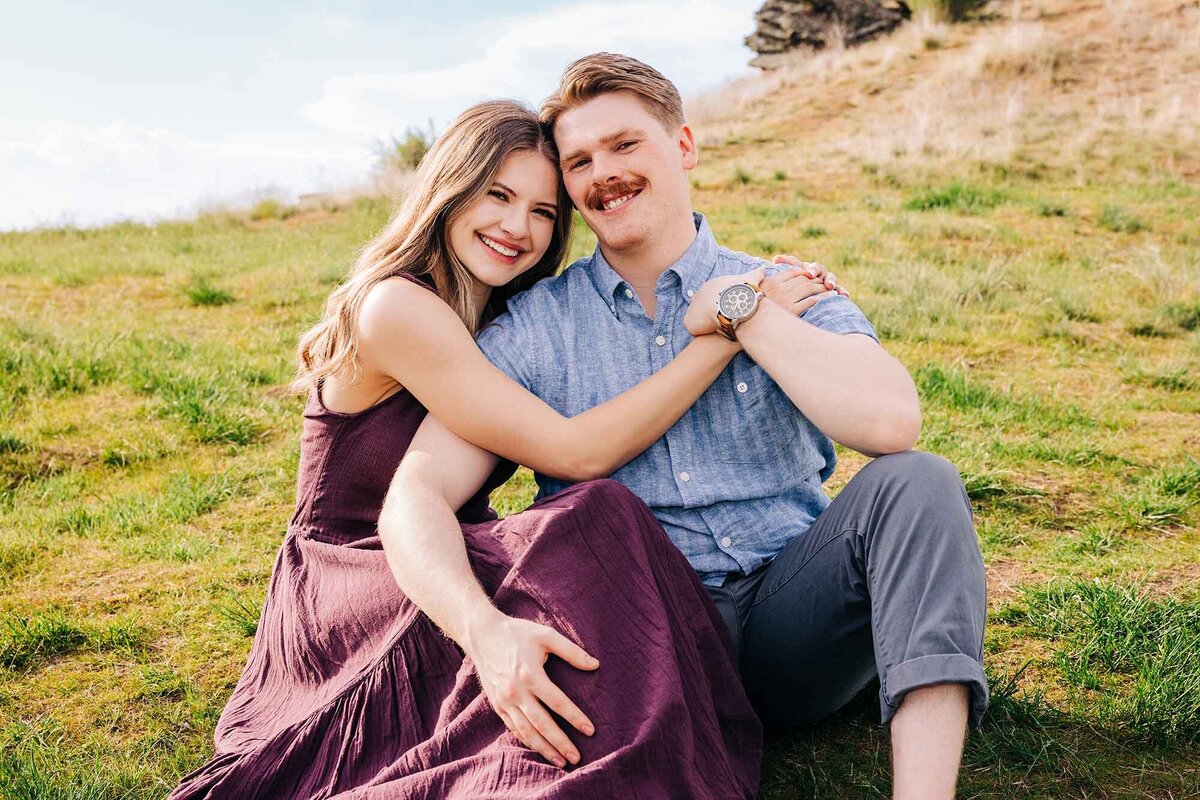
point(687, 147)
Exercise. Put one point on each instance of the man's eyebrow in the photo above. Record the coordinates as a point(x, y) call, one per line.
point(624, 133)
point(511, 191)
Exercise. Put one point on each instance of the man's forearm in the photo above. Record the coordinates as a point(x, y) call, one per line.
point(428, 557)
point(847, 385)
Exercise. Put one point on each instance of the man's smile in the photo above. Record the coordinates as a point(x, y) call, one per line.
point(617, 202)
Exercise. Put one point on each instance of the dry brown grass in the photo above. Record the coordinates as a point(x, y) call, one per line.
point(1057, 82)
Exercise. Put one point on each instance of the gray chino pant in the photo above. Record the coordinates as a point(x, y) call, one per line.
point(888, 582)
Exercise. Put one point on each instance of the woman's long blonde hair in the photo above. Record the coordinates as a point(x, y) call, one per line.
point(456, 172)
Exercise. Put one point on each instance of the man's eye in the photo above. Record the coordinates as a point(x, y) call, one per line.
point(625, 145)
point(580, 163)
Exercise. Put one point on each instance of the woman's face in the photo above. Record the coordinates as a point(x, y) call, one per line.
point(509, 228)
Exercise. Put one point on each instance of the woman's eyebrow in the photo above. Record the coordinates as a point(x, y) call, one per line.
point(514, 194)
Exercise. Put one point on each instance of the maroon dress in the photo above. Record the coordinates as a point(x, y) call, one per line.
point(351, 692)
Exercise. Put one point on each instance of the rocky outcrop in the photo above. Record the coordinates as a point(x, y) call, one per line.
point(784, 26)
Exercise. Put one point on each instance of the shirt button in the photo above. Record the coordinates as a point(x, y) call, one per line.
point(742, 387)
point(690, 293)
point(660, 341)
point(683, 476)
point(726, 542)
point(629, 293)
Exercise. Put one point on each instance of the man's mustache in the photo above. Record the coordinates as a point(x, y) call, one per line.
point(596, 195)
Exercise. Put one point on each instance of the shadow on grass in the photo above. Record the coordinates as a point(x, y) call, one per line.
point(1024, 748)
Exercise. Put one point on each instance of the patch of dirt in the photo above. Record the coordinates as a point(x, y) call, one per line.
point(1175, 581)
point(1004, 579)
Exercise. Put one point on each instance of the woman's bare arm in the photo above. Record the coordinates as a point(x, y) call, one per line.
point(428, 556)
point(409, 334)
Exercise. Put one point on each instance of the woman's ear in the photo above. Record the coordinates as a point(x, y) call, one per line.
point(687, 147)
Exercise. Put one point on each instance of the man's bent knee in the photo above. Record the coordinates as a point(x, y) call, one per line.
point(914, 466)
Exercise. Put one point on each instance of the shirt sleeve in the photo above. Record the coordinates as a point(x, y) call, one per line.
point(509, 342)
point(838, 314)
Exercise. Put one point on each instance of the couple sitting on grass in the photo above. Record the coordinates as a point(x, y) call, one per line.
point(622, 637)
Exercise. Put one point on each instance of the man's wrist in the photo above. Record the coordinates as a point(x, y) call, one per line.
point(753, 325)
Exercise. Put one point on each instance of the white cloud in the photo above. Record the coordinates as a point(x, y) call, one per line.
point(54, 172)
point(59, 172)
point(695, 43)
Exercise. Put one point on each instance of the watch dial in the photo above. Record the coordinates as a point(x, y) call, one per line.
point(737, 301)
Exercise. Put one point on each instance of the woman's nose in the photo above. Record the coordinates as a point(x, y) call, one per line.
point(516, 224)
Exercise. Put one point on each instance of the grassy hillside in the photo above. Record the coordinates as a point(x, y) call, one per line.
point(1014, 203)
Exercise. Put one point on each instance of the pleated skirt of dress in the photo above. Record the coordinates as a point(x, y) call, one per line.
point(350, 692)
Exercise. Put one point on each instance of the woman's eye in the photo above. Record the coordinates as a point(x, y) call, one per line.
point(550, 215)
point(499, 195)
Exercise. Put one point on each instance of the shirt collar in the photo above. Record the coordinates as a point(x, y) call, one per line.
point(694, 267)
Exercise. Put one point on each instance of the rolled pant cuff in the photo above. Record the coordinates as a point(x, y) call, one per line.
point(931, 670)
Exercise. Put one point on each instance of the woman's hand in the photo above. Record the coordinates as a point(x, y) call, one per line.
point(510, 654)
point(813, 270)
point(797, 290)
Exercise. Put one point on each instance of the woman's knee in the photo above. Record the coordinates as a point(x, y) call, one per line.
point(604, 491)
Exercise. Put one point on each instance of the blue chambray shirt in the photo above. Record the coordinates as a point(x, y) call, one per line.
point(739, 476)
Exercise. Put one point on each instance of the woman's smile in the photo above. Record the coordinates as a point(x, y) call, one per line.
point(502, 250)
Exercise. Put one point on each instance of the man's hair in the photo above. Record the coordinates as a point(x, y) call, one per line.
point(603, 73)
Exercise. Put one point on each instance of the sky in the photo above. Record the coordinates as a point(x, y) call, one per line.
point(152, 110)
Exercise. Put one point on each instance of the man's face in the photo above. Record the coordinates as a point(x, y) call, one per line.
point(625, 172)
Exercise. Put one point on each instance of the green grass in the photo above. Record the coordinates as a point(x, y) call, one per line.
point(963, 197)
point(202, 292)
point(1118, 220)
point(148, 456)
point(28, 641)
point(1132, 662)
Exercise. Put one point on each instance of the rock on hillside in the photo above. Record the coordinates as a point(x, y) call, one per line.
point(783, 26)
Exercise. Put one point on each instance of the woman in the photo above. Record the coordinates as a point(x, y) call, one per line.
point(350, 691)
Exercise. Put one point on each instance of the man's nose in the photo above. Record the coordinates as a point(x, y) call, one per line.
point(605, 169)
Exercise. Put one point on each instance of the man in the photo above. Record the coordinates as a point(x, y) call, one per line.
point(819, 598)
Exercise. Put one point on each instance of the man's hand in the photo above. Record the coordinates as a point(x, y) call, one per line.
point(701, 317)
point(796, 289)
point(510, 656)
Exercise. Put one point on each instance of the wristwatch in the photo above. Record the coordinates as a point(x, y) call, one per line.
point(736, 304)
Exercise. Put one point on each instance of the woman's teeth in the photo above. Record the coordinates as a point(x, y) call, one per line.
point(618, 201)
point(499, 248)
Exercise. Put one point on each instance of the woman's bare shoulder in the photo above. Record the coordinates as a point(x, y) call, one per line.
point(400, 309)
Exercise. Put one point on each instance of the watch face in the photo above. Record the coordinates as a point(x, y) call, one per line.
point(737, 301)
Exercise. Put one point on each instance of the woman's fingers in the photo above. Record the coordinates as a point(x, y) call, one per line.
point(568, 651)
point(524, 730)
point(548, 729)
point(560, 704)
point(811, 269)
point(804, 305)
